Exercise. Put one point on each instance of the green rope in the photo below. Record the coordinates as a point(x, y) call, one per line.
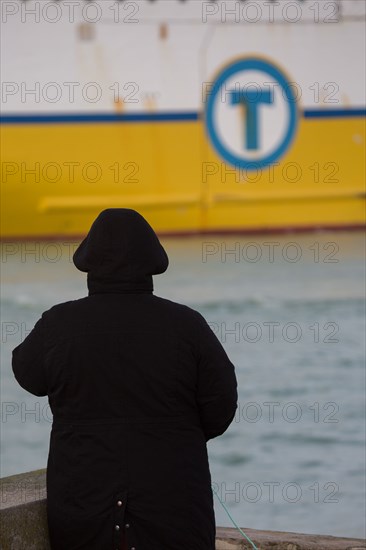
point(236, 525)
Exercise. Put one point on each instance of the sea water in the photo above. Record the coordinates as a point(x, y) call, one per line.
point(289, 311)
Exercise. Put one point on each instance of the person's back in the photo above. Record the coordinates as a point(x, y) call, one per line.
point(137, 384)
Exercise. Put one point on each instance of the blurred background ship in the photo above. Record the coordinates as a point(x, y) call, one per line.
point(204, 116)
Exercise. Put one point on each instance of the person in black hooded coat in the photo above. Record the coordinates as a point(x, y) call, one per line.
point(137, 385)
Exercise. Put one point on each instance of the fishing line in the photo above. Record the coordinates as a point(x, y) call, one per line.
point(232, 519)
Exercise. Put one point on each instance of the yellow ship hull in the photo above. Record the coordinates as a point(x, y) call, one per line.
point(57, 174)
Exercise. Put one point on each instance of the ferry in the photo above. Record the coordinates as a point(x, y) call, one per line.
point(205, 116)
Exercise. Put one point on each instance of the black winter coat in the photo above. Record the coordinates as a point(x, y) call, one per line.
point(137, 385)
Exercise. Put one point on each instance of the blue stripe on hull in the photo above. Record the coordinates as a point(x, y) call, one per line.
point(100, 117)
point(334, 113)
point(154, 117)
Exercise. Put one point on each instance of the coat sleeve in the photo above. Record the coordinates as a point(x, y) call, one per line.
point(216, 384)
point(28, 361)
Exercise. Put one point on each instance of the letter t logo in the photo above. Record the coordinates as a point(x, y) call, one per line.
point(251, 100)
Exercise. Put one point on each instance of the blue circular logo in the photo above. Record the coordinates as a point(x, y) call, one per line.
point(251, 114)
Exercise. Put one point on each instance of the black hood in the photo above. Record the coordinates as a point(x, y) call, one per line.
point(120, 253)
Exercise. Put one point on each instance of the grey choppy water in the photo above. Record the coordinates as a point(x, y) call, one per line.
point(289, 310)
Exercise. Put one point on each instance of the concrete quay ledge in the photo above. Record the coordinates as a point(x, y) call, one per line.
point(23, 523)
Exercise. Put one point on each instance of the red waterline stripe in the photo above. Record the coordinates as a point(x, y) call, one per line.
point(196, 233)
